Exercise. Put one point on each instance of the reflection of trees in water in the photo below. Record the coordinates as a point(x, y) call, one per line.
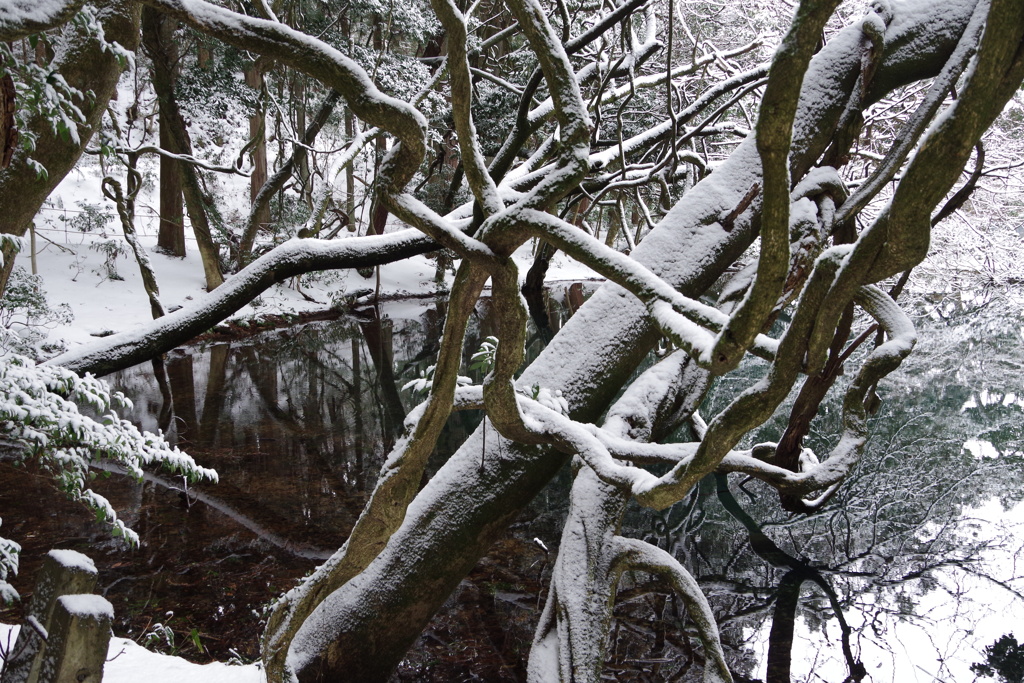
point(292, 420)
point(876, 548)
point(296, 421)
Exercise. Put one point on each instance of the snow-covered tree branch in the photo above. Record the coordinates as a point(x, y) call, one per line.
point(710, 185)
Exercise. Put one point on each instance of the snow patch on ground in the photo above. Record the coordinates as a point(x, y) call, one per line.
point(129, 662)
point(72, 268)
point(71, 264)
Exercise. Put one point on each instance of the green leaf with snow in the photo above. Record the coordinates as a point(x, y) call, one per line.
point(483, 359)
point(39, 411)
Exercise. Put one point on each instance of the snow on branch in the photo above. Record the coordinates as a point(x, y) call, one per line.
point(21, 18)
point(183, 158)
point(774, 138)
point(573, 118)
point(290, 259)
point(607, 68)
point(921, 119)
point(639, 555)
point(642, 140)
point(417, 214)
point(562, 81)
point(687, 321)
point(820, 478)
point(397, 482)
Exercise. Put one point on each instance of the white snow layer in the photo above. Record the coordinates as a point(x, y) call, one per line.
point(87, 605)
point(129, 662)
point(72, 559)
point(13, 12)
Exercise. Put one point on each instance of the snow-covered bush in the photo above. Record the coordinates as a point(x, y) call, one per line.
point(25, 314)
point(111, 249)
point(8, 565)
point(39, 413)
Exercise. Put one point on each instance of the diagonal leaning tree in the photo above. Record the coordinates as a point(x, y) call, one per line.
point(354, 618)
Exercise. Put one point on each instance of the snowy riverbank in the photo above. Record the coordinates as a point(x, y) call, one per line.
point(74, 274)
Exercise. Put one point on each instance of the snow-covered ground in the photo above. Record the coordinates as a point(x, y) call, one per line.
point(72, 268)
point(128, 662)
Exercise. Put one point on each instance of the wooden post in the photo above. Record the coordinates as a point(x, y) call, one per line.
point(32, 232)
point(64, 572)
point(77, 646)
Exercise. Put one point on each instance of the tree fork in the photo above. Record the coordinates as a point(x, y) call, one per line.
point(362, 630)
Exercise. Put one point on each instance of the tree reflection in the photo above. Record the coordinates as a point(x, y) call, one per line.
point(881, 548)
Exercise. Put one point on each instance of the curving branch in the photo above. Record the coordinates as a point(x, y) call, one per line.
point(286, 261)
point(774, 138)
point(572, 634)
point(479, 179)
point(111, 189)
point(898, 239)
point(813, 477)
point(601, 450)
point(912, 130)
point(526, 123)
point(21, 18)
point(183, 158)
point(355, 616)
point(638, 555)
point(570, 110)
point(687, 321)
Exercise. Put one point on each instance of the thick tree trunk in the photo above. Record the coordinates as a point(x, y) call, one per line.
point(362, 630)
point(257, 133)
point(302, 164)
point(171, 235)
point(163, 83)
point(86, 65)
point(8, 131)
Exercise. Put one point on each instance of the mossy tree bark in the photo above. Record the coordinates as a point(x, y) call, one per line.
point(87, 65)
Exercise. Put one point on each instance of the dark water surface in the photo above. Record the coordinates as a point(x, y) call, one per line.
point(298, 421)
